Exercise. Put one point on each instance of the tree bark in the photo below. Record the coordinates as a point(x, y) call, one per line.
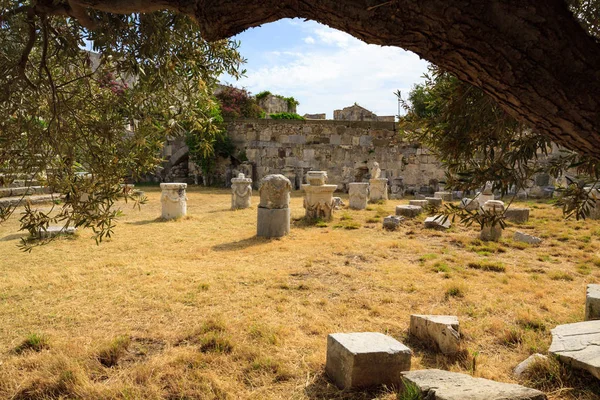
point(531, 56)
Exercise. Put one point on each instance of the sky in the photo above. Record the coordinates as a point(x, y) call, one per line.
point(325, 69)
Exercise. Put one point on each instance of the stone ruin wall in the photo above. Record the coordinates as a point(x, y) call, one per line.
point(345, 149)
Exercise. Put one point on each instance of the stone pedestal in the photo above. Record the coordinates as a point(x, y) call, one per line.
point(378, 189)
point(492, 232)
point(273, 210)
point(358, 193)
point(318, 201)
point(241, 192)
point(174, 200)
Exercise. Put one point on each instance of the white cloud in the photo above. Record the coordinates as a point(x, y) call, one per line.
point(309, 40)
point(337, 71)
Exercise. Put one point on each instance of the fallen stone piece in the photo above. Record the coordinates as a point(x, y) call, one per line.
point(419, 203)
point(363, 359)
point(524, 237)
point(338, 203)
point(392, 222)
point(469, 204)
point(419, 196)
point(517, 215)
point(434, 201)
point(53, 231)
point(441, 329)
point(524, 365)
point(578, 345)
point(445, 196)
point(408, 211)
point(435, 222)
point(592, 302)
point(436, 384)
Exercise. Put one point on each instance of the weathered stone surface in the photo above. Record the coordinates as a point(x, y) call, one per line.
point(174, 200)
point(441, 329)
point(578, 344)
point(338, 203)
point(53, 231)
point(318, 201)
point(517, 215)
point(358, 193)
point(484, 198)
point(436, 384)
point(592, 302)
point(316, 178)
point(419, 196)
point(378, 189)
point(525, 238)
point(408, 211)
point(241, 192)
point(356, 360)
point(274, 191)
point(434, 201)
point(419, 203)
point(392, 222)
point(520, 369)
point(445, 196)
point(469, 204)
point(375, 171)
point(273, 222)
point(435, 222)
point(491, 232)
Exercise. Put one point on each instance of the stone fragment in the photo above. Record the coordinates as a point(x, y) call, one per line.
point(318, 197)
point(392, 222)
point(357, 360)
point(435, 222)
point(434, 201)
point(174, 200)
point(358, 193)
point(517, 215)
point(53, 231)
point(418, 203)
point(436, 384)
point(408, 211)
point(441, 329)
point(378, 189)
point(578, 345)
point(469, 204)
point(445, 196)
point(592, 302)
point(526, 238)
point(397, 188)
point(241, 192)
point(489, 231)
point(520, 369)
point(273, 209)
point(419, 196)
point(338, 203)
point(375, 171)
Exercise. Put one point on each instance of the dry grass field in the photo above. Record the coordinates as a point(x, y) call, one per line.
point(201, 308)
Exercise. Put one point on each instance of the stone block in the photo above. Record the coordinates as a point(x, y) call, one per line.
point(439, 329)
point(420, 196)
point(392, 222)
point(592, 302)
point(273, 222)
point(517, 215)
point(469, 204)
point(445, 196)
point(526, 238)
point(418, 203)
point(53, 231)
point(435, 222)
point(365, 140)
point(358, 193)
point(408, 211)
point(522, 368)
point(434, 201)
point(335, 140)
point(577, 345)
point(436, 384)
point(364, 359)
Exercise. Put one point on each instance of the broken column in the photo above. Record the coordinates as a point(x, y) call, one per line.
point(378, 187)
point(439, 329)
point(273, 209)
point(492, 232)
point(318, 197)
point(358, 192)
point(241, 192)
point(174, 200)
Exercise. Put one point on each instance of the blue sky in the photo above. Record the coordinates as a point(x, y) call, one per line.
point(325, 69)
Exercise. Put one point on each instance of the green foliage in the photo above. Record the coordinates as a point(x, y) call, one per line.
point(33, 342)
point(409, 391)
point(262, 94)
point(82, 122)
point(285, 115)
point(237, 103)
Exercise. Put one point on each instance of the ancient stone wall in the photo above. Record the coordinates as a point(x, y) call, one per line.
point(275, 104)
point(345, 149)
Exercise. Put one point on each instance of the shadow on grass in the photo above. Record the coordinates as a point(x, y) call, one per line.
point(321, 388)
point(148, 221)
point(242, 244)
point(15, 236)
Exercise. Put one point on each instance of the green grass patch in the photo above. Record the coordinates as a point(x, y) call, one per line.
point(34, 342)
point(491, 266)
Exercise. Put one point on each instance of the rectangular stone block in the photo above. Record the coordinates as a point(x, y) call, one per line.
point(357, 360)
point(592, 302)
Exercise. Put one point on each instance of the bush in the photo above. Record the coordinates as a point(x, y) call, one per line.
point(284, 115)
point(237, 103)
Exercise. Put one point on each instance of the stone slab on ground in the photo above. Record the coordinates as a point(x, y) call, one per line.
point(520, 369)
point(469, 204)
point(392, 222)
point(578, 344)
point(441, 329)
point(436, 384)
point(53, 231)
point(408, 211)
point(435, 222)
point(33, 199)
point(419, 203)
point(363, 359)
point(592, 302)
point(517, 215)
point(445, 196)
point(526, 238)
point(434, 201)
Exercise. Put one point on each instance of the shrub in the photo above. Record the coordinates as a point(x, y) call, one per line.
point(285, 115)
point(237, 103)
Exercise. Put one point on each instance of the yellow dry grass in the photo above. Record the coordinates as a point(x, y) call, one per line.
point(201, 308)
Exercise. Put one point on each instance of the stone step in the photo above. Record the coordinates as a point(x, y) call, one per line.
point(24, 191)
point(33, 199)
